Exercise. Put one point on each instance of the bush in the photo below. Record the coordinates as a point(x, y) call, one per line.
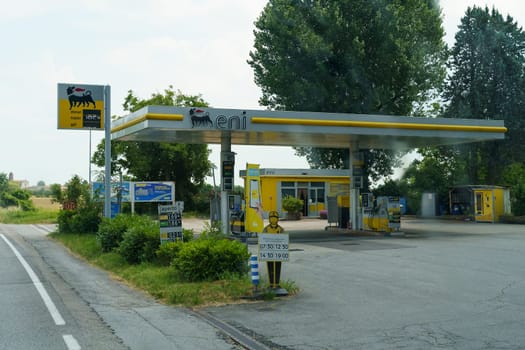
point(212, 231)
point(167, 252)
point(110, 232)
point(292, 204)
point(210, 259)
point(64, 221)
point(140, 241)
point(87, 219)
point(187, 235)
point(83, 220)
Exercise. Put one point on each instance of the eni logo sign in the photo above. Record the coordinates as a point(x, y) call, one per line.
point(200, 118)
point(80, 106)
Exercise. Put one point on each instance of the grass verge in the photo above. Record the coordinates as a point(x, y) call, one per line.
point(38, 216)
point(160, 281)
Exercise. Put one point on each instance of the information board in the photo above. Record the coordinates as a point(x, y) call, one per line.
point(274, 247)
point(170, 222)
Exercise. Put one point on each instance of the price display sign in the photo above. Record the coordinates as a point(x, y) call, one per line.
point(170, 222)
point(273, 247)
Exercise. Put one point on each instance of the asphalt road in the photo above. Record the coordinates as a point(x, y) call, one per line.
point(98, 312)
point(442, 285)
point(38, 309)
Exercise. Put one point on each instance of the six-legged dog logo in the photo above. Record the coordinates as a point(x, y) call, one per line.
point(200, 117)
point(79, 97)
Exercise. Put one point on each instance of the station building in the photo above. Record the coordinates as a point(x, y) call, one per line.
point(313, 186)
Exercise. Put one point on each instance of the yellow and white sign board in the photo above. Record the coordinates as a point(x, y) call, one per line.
point(274, 247)
point(80, 106)
point(254, 211)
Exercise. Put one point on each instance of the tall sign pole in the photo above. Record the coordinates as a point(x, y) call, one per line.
point(107, 151)
point(89, 161)
point(87, 107)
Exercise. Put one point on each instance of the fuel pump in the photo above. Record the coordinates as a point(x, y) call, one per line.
point(381, 214)
point(236, 214)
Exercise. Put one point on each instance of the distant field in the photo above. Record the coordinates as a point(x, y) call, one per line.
point(44, 203)
point(45, 213)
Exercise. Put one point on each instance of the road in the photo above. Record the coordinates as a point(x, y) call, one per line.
point(442, 285)
point(97, 312)
point(39, 310)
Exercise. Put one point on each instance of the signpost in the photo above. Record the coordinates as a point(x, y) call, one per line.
point(170, 222)
point(84, 106)
point(274, 247)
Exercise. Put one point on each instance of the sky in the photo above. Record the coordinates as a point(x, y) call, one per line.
point(196, 46)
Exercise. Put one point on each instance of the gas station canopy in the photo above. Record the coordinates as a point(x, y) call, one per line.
point(197, 125)
point(312, 129)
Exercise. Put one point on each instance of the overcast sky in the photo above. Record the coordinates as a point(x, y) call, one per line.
point(199, 47)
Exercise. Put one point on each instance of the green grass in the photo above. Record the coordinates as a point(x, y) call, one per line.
point(159, 281)
point(38, 216)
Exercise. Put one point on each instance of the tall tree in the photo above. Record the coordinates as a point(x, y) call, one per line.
point(487, 80)
point(187, 165)
point(350, 56)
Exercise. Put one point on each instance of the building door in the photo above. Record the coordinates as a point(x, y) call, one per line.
point(312, 205)
point(316, 201)
point(483, 202)
point(302, 193)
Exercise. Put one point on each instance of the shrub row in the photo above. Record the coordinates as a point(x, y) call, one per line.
point(136, 239)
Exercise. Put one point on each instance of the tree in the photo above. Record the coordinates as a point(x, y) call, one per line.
point(4, 183)
point(350, 56)
point(514, 176)
point(436, 172)
point(187, 165)
point(80, 213)
point(487, 80)
point(12, 195)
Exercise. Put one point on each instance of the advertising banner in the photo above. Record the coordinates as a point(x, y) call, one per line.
point(99, 190)
point(154, 191)
point(142, 191)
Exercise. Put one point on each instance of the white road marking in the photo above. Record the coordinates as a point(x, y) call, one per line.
point(59, 321)
point(42, 229)
point(71, 342)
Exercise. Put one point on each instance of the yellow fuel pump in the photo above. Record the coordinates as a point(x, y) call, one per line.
point(381, 214)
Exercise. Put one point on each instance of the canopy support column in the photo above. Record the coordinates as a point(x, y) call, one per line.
point(355, 164)
point(226, 155)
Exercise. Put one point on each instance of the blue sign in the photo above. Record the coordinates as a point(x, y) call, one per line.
point(115, 209)
point(137, 191)
point(154, 191)
point(99, 190)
